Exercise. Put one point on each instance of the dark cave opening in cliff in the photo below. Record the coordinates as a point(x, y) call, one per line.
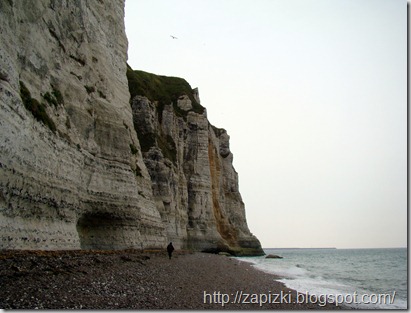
point(99, 231)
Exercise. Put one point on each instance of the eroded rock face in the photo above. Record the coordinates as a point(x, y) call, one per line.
point(82, 182)
point(194, 182)
point(73, 172)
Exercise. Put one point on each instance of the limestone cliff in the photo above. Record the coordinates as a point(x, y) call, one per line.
point(190, 163)
point(72, 172)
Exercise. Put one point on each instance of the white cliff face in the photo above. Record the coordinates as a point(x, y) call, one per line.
point(82, 183)
point(73, 172)
point(193, 179)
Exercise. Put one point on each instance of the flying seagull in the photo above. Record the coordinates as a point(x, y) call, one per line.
point(173, 37)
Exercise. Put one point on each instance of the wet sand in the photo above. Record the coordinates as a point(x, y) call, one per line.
point(137, 280)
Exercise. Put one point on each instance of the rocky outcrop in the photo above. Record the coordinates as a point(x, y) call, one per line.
point(73, 172)
point(190, 164)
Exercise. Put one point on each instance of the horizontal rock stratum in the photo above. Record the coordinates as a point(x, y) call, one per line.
point(94, 155)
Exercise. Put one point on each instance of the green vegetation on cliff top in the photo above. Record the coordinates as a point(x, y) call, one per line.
point(163, 89)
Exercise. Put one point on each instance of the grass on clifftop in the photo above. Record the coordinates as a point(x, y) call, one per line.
point(161, 90)
point(164, 89)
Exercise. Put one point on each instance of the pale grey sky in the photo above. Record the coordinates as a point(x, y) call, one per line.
point(313, 94)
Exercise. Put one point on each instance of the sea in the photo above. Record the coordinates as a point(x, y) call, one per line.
point(357, 278)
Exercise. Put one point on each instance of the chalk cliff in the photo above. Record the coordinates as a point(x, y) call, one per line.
point(73, 171)
point(190, 163)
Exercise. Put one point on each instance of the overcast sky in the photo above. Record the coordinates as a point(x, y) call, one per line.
point(313, 94)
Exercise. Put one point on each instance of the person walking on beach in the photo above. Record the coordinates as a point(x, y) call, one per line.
point(170, 249)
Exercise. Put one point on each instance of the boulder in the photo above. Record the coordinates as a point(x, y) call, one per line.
point(224, 253)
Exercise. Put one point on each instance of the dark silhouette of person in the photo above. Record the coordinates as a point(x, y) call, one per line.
point(170, 249)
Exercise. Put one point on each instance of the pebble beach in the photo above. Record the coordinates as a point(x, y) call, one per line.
point(138, 280)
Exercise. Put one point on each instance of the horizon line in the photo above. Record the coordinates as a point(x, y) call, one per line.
point(335, 248)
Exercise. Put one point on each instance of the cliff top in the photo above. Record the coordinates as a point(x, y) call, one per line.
point(163, 89)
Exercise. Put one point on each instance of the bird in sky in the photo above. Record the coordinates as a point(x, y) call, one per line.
point(173, 37)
